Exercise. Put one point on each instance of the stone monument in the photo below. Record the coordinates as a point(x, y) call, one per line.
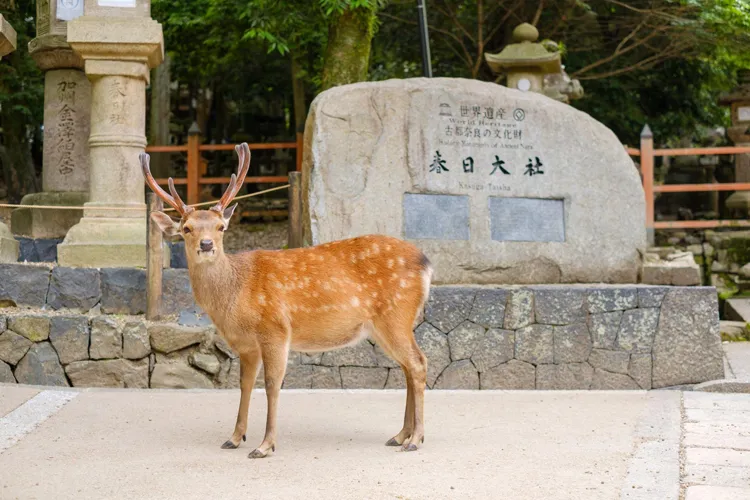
point(67, 112)
point(739, 132)
point(8, 244)
point(119, 43)
point(494, 184)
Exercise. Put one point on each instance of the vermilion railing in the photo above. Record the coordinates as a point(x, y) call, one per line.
point(195, 178)
point(647, 154)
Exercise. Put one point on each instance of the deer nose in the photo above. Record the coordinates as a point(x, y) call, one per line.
point(207, 245)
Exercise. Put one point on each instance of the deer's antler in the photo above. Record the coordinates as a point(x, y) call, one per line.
point(236, 181)
point(174, 201)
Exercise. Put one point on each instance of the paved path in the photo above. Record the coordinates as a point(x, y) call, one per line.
point(665, 445)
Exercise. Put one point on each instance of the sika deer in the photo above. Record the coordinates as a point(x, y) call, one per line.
point(266, 303)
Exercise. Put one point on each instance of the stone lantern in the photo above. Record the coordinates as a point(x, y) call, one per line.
point(119, 44)
point(525, 62)
point(8, 244)
point(739, 132)
point(67, 113)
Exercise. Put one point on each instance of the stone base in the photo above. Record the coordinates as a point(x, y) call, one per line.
point(539, 337)
point(44, 223)
point(739, 203)
point(8, 245)
point(38, 250)
point(105, 242)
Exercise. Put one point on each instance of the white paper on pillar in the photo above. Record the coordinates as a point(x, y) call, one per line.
point(67, 10)
point(116, 3)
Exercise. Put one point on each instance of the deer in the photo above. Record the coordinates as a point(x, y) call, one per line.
point(266, 303)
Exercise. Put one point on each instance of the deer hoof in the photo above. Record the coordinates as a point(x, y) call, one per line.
point(229, 445)
point(393, 442)
point(256, 453)
point(409, 447)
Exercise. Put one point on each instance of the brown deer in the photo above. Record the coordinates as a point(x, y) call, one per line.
point(265, 303)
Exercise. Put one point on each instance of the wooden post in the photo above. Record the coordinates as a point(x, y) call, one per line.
point(295, 210)
point(647, 169)
point(193, 164)
point(300, 148)
point(154, 260)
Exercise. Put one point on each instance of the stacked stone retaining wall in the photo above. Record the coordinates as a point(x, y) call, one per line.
point(85, 327)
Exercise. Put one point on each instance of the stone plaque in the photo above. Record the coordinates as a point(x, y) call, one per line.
point(527, 219)
point(743, 113)
point(436, 217)
point(67, 10)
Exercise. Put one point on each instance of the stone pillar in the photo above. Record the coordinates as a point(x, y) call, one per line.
point(119, 46)
point(739, 101)
point(67, 110)
point(8, 244)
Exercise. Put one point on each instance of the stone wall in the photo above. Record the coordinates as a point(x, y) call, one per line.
point(84, 327)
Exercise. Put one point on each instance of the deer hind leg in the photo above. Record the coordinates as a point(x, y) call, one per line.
point(249, 363)
point(408, 427)
point(274, 363)
point(397, 340)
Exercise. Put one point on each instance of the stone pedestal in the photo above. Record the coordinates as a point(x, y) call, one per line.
point(8, 244)
point(118, 54)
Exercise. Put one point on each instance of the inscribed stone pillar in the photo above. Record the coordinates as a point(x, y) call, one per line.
point(67, 110)
point(119, 46)
point(8, 244)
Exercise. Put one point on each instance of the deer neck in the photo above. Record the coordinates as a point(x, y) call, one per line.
point(213, 283)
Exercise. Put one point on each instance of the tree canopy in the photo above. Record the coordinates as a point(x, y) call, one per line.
point(247, 69)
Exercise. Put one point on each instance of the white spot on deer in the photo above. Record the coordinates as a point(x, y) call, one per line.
point(403, 283)
point(326, 285)
point(359, 288)
point(398, 297)
point(380, 281)
point(361, 255)
point(355, 302)
point(371, 271)
point(401, 261)
point(390, 263)
point(375, 248)
point(278, 285)
point(374, 295)
point(261, 299)
point(368, 303)
point(315, 294)
point(353, 258)
point(388, 248)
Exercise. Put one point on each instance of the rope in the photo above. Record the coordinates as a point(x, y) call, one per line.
point(57, 207)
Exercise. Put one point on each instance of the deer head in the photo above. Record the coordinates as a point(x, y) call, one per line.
point(202, 230)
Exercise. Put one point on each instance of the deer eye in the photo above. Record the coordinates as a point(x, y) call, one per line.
point(221, 229)
point(186, 230)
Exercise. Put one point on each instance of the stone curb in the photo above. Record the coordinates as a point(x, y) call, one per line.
point(724, 386)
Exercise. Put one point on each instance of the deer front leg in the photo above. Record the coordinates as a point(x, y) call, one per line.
point(274, 364)
point(249, 363)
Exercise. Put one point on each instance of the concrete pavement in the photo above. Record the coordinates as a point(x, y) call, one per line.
point(158, 444)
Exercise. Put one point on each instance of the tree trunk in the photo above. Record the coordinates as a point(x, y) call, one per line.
point(18, 166)
point(347, 56)
point(298, 92)
point(160, 117)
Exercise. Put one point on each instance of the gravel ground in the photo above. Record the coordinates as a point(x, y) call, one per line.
point(269, 236)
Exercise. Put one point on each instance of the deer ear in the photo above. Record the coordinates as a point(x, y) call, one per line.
point(167, 225)
point(228, 212)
